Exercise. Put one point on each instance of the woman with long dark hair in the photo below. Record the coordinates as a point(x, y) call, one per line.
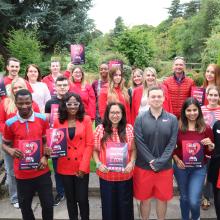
point(194, 142)
point(115, 154)
point(74, 167)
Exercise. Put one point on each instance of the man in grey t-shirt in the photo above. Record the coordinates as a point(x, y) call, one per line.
point(155, 137)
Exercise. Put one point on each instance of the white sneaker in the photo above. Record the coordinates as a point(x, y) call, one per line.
point(16, 205)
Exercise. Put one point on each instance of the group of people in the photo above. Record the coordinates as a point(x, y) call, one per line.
point(142, 137)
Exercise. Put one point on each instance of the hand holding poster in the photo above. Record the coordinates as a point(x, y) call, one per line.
point(116, 156)
point(77, 52)
point(56, 140)
point(193, 153)
point(31, 154)
point(199, 94)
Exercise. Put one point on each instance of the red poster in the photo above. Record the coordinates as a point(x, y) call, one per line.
point(199, 94)
point(115, 63)
point(209, 118)
point(53, 114)
point(193, 153)
point(77, 52)
point(116, 156)
point(31, 153)
point(56, 139)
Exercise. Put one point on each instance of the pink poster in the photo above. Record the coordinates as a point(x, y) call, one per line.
point(115, 63)
point(193, 153)
point(53, 114)
point(116, 156)
point(77, 52)
point(199, 94)
point(56, 140)
point(31, 154)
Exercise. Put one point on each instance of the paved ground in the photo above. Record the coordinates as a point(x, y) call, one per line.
point(60, 212)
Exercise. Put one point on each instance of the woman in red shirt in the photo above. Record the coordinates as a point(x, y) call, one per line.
point(115, 92)
point(74, 167)
point(84, 89)
point(139, 98)
point(115, 154)
point(194, 143)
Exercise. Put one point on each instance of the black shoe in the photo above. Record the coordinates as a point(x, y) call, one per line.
point(58, 199)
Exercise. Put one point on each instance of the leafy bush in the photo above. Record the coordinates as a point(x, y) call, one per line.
point(25, 46)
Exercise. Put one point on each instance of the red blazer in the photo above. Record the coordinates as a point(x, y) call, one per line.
point(4, 116)
point(103, 101)
point(88, 97)
point(79, 149)
point(136, 101)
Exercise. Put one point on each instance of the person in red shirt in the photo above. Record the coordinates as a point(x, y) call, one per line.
point(115, 92)
point(140, 98)
point(8, 109)
point(84, 89)
point(29, 127)
point(178, 85)
point(115, 178)
point(194, 143)
point(51, 78)
point(74, 167)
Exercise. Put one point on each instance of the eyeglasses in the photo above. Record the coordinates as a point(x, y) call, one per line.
point(115, 113)
point(72, 104)
point(61, 85)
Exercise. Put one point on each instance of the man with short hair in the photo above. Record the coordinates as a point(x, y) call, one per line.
point(51, 78)
point(97, 85)
point(51, 109)
point(178, 85)
point(27, 132)
point(155, 137)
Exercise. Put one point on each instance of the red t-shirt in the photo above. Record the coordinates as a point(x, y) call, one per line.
point(16, 130)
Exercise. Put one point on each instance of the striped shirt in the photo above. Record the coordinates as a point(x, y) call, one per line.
point(112, 176)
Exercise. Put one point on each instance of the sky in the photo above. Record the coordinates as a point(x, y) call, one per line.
point(133, 12)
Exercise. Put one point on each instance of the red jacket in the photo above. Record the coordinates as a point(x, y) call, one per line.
point(103, 101)
point(4, 116)
point(136, 101)
point(88, 97)
point(178, 92)
point(79, 149)
point(50, 82)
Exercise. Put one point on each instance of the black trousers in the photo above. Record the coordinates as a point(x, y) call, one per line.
point(117, 200)
point(216, 192)
point(26, 191)
point(76, 192)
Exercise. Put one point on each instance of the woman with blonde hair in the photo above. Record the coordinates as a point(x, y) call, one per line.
point(8, 110)
point(139, 100)
point(84, 89)
point(115, 92)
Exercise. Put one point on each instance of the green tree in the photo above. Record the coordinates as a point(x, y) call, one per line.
point(119, 27)
point(175, 10)
point(25, 46)
point(191, 8)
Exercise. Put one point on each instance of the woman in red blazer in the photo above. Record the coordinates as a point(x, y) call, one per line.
point(139, 99)
point(115, 92)
point(84, 89)
point(74, 167)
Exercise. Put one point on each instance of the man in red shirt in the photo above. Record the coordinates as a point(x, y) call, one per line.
point(178, 85)
point(51, 78)
point(26, 131)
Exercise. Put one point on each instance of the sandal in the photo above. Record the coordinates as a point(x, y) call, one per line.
point(205, 204)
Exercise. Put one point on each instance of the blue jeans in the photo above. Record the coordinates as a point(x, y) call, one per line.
point(58, 180)
point(10, 179)
point(190, 183)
